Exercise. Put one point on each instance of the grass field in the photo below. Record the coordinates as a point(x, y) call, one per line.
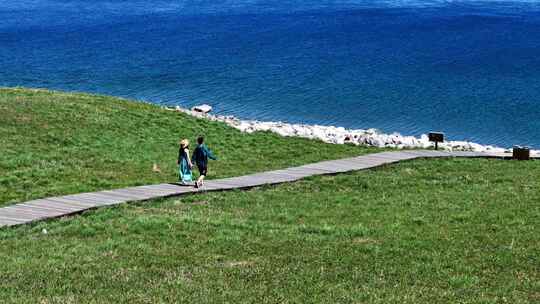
point(437, 231)
point(424, 231)
point(59, 143)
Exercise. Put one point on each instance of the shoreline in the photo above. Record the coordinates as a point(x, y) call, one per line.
point(339, 135)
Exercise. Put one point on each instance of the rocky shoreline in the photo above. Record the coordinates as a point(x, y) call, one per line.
point(340, 135)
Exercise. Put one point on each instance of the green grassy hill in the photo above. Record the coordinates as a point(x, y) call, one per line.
point(60, 143)
point(425, 231)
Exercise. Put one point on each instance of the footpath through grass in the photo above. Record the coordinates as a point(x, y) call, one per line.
point(426, 231)
point(56, 143)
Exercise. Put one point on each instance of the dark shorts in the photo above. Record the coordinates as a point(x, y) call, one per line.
point(203, 170)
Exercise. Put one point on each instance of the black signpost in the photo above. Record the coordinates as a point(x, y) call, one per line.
point(521, 153)
point(436, 137)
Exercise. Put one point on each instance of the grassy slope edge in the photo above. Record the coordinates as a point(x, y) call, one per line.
point(61, 143)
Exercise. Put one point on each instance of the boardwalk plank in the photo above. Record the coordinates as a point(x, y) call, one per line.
point(168, 190)
point(331, 167)
point(79, 199)
point(274, 178)
point(72, 202)
point(246, 181)
point(268, 177)
point(358, 162)
point(125, 195)
point(364, 164)
point(11, 222)
point(17, 216)
point(387, 156)
point(147, 189)
point(156, 190)
point(418, 153)
point(321, 167)
point(290, 173)
point(218, 185)
point(57, 205)
point(163, 187)
point(96, 198)
point(375, 161)
point(131, 194)
point(101, 198)
point(305, 172)
point(81, 202)
point(55, 210)
point(34, 211)
point(50, 208)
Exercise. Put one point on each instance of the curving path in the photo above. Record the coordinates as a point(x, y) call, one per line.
point(58, 206)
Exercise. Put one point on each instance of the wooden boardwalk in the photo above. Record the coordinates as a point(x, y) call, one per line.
point(54, 207)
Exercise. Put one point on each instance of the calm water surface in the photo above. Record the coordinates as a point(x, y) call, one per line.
point(469, 68)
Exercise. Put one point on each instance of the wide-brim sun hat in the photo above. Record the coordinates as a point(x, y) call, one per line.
point(184, 142)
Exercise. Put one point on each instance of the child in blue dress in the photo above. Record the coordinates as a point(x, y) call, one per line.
point(184, 162)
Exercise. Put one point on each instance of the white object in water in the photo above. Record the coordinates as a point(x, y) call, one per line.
point(202, 108)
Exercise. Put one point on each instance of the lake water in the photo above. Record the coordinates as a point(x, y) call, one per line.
point(468, 68)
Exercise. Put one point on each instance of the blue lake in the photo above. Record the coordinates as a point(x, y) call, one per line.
point(468, 68)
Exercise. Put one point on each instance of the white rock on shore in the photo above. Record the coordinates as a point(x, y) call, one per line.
point(340, 135)
point(202, 108)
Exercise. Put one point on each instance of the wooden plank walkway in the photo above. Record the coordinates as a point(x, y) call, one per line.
point(54, 207)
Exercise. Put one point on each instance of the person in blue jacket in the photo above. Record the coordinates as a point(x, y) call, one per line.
point(200, 157)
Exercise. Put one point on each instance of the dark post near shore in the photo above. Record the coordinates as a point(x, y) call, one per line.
point(436, 137)
point(521, 153)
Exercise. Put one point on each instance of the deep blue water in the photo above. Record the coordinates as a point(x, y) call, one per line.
point(468, 68)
